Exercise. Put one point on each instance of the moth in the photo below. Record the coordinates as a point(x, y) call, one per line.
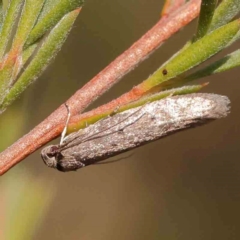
point(133, 128)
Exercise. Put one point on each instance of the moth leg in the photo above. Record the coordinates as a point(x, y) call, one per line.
point(66, 125)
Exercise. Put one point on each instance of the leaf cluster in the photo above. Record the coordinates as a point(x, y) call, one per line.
point(31, 33)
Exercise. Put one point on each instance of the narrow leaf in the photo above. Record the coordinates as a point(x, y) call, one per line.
point(6, 77)
point(9, 20)
point(205, 17)
point(30, 13)
point(235, 38)
point(46, 53)
point(193, 55)
point(28, 52)
point(9, 68)
point(224, 13)
point(228, 62)
point(51, 14)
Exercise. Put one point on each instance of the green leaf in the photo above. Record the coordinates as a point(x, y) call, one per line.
point(5, 79)
point(11, 69)
point(205, 17)
point(9, 20)
point(224, 13)
point(195, 54)
point(228, 62)
point(46, 53)
point(29, 16)
point(52, 12)
point(235, 38)
point(28, 52)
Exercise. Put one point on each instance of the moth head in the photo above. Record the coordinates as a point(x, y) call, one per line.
point(49, 156)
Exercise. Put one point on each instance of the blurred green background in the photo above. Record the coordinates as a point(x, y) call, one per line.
point(186, 186)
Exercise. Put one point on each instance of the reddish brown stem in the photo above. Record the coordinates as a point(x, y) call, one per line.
point(52, 126)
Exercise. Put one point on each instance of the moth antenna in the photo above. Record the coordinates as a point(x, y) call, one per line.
point(66, 125)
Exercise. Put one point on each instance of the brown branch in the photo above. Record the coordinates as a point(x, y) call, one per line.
point(52, 126)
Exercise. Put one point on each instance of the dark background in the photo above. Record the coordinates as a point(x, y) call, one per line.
point(186, 186)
